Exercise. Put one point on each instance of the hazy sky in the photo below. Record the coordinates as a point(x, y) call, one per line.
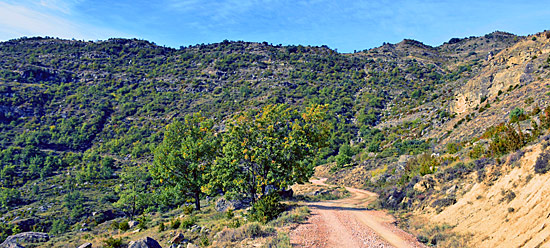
point(345, 25)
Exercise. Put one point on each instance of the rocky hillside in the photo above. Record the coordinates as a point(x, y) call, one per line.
point(74, 114)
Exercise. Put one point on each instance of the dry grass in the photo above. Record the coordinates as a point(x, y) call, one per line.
point(433, 234)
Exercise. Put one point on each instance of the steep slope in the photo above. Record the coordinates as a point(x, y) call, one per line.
point(74, 113)
point(508, 211)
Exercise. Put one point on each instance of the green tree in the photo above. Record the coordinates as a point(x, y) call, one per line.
point(133, 192)
point(186, 154)
point(274, 146)
point(344, 156)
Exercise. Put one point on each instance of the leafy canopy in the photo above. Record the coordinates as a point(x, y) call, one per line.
point(186, 153)
point(274, 146)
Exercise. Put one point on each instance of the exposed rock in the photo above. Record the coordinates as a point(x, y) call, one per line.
point(133, 223)
point(177, 239)
point(195, 228)
point(26, 237)
point(86, 245)
point(451, 190)
point(146, 242)
point(11, 245)
point(223, 204)
point(191, 245)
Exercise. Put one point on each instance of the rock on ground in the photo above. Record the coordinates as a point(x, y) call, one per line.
point(86, 245)
point(26, 237)
point(146, 242)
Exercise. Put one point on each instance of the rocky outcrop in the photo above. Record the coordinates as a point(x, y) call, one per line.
point(26, 237)
point(146, 242)
point(223, 204)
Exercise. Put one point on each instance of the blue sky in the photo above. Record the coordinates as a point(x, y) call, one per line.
point(345, 25)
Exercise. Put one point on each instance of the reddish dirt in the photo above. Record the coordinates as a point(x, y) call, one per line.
point(348, 223)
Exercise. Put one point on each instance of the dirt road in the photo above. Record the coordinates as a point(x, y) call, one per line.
point(348, 223)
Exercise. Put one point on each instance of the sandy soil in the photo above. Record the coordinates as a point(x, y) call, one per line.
point(348, 223)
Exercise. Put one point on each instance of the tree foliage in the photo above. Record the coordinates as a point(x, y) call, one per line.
point(274, 146)
point(133, 194)
point(185, 155)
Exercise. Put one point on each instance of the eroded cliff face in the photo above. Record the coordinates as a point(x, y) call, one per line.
point(510, 210)
point(520, 65)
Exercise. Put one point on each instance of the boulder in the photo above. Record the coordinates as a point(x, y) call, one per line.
point(133, 223)
point(223, 204)
point(86, 245)
point(146, 242)
point(12, 245)
point(191, 245)
point(25, 237)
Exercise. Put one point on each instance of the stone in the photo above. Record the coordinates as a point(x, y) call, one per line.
point(195, 228)
point(451, 190)
point(133, 223)
point(12, 245)
point(223, 205)
point(86, 245)
point(25, 237)
point(177, 239)
point(191, 245)
point(146, 242)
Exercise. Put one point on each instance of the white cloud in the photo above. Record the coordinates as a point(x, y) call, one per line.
point(18, 20)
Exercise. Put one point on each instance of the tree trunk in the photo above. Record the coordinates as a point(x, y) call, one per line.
point(197, 200)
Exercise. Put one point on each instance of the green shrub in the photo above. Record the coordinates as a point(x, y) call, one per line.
point(124, 226)
point(115, 225)
point(161, 227)
point(58, 227)
point(453, 148)
point(175, 223)
point(267, 208)
point(296, 215)
point(477, 151)
point(229, 214)
point(142, 220)
point(517, 114)
point(542, 164)
point(113, 243)
point(203, 241)
point(188, 209)
point(188, 221)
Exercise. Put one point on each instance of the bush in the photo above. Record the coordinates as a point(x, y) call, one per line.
point(175, 223)
point(113, 243)
point(296, 215)
point(477, 151)
point(188, 221)
point(267, 208)
point(124, 226)
point(58, 227)
point(541, 165)
point(161, 227)
point(453, 148)
point(188, 209)
point(517, 114)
